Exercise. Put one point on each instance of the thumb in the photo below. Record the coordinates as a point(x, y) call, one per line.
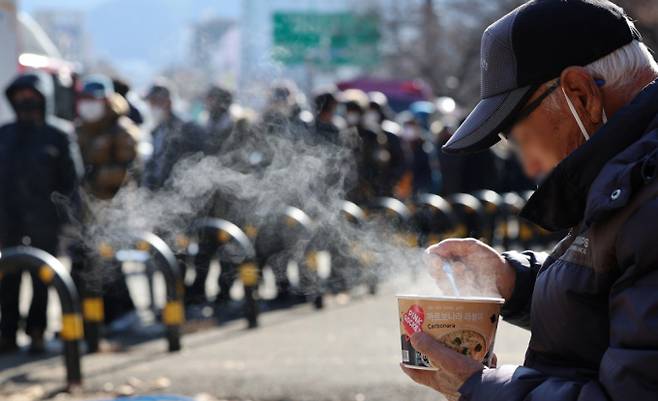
point(426, 344)
point(440, 355)
point(443, 357)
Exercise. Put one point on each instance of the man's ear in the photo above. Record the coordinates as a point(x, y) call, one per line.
point(583, 92)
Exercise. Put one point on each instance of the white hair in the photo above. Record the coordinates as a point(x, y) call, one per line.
point(620, 70)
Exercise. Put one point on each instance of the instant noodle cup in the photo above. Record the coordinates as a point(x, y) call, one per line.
point(464, 324)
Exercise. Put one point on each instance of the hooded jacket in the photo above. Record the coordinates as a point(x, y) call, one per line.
point(39, 169)
point(592, 304)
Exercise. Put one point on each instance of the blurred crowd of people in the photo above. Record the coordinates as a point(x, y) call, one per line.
point(48, 164)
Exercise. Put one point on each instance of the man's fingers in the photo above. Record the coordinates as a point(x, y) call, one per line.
point(452, 248)
point(433, 379)
point(420, 376)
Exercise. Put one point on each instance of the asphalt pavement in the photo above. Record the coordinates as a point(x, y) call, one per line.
point(347, 352)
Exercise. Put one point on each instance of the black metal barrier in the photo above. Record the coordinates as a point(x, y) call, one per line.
point(491, 210)
point(358, 256)
point(510, 226)
point(227, 234)
point(469, 213)
point(301, 227)
point(397, 216)
point(433, 218)
point(52, 272)
point(161, 257)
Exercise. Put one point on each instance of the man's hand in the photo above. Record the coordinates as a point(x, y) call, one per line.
point(453, 368)
point(478, 268)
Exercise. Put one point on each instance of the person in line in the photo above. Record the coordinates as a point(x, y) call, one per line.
point(39, 171)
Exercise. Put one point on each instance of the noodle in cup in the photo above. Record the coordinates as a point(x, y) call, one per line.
point(464, 324)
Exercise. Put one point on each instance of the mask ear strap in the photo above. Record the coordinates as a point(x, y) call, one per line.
point(575, 115)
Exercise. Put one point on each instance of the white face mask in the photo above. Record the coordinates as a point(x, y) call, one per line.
point(577, 117)
point(91, 111)
point(371, 119)
point(410, 133)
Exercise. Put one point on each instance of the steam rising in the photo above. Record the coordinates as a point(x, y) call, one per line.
point(312, 177)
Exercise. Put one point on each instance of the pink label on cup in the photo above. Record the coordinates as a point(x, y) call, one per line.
point(413, 319)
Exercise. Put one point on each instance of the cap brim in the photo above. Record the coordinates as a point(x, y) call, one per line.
point(491, 115)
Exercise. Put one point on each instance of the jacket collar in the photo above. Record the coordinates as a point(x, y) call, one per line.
point(560, 202)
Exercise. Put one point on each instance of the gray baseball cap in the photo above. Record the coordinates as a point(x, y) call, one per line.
point(530, 46)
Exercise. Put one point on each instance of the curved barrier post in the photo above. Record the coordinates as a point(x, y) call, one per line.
point(226, 232)
point(305, 229)
point(470, 214)
point(52, 272)
point(173, 315)
point(433, 218)
point(398, 216)
point(491, 205)
point(512, 203)
point(162, 258)
point(359, 255)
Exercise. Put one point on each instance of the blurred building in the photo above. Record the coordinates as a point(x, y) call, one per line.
point(215, 49)
point(66, 29)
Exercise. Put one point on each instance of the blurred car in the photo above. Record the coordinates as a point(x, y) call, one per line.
point(400, 93)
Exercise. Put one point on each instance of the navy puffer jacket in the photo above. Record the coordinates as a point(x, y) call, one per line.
point(592, 304)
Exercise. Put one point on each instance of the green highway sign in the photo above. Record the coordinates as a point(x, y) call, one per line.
point(326, 39)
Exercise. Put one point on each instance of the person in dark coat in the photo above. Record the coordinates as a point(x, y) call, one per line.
point(227, 136)
point(585, 120)
point(417, 148)
point(364, 142)
point(388, 151)
point(39, 171)
point(284, 115)
point(220, 122)
point(325, 128)
point(173, 139)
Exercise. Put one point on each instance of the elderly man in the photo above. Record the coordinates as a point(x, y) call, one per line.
point(571, 85)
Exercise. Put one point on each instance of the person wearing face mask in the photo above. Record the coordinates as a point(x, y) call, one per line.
point(571, 86)
point(285, 115)
point(38, 164)
point(174, 139)
point(364, 142)
point(108, 141)
point(388, 152)
point(416, 149)
point(219, 122)
point(107, 137)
